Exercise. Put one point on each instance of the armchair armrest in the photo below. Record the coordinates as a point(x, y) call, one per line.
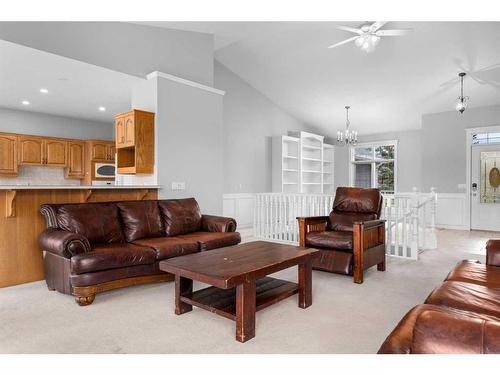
point(211, 223)
point(437, 332)
point(370, 223)
point(309, 224)
point(63, 243)
point(493, 253)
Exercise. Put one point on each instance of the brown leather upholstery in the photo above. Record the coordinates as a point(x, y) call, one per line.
point(63, 243)
point(168, 247)
point(141, 219)
point(460, 316)
point(344, 221)
point(475, 273)
point(438, 332)
point(493, 252)
point(213, 240)
point(337, 261)
point(94, 243)
point(330, 239)
point(109, 256)
point(98, 222)
point(210, 223)
point(180, 216)
point(349, 199)
point(467, 296)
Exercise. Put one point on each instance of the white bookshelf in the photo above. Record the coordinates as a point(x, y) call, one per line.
point(286, 164)
point(302, 163)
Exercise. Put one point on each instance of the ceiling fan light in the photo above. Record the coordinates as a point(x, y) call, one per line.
point(359, 41)
point(374, 39)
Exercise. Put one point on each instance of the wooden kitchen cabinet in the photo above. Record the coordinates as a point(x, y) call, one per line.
point(102, 150)
point(76, 160)
point(31, 150)
point(135, 142)
point(8, 155)
point(55, 152)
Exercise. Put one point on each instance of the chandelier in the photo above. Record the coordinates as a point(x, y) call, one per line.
point(347, 137)
point(462, 100)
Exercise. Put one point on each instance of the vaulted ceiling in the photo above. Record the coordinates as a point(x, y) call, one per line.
point(388, 89)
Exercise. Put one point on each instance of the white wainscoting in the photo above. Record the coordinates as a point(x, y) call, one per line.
point(452, 211)
point(239, 206)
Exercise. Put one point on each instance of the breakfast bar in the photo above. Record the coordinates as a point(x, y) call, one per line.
point(21, 259)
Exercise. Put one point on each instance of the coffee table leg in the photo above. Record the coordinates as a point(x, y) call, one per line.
point(245, 311)
point(182, 286)
point(305, 285)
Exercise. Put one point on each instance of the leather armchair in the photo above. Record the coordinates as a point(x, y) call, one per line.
point(493, 253)
point(352, 238)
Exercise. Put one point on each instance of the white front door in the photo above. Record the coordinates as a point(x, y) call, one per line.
point(485, 197)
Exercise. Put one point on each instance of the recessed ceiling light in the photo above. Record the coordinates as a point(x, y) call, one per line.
point(102, 109)
point(44, 91)
point(25, 102)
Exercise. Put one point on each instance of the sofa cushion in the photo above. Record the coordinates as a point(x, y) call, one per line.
point(168, 247)
point(213, 240)
point(330, 240)
point(109, 256)
point(344, 221)
point(476, 273)
point(180, 216)
point(98, 222)
point(467, 296)
point(348, 199)
point(141, 219)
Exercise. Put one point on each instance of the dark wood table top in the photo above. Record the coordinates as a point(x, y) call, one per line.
point(229, 266)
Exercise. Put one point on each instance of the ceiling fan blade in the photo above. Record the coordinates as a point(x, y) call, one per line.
point(350, 29)
point(393, 32)
point(376, 25)
point(343, 42)
point(451, 82)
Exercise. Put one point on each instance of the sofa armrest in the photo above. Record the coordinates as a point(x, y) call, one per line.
point(63, 243)
point(437, 332)
point(211, 223)
point(493, 253)
point(309, 224)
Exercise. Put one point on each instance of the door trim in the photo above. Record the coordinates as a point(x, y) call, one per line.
point(468, 152)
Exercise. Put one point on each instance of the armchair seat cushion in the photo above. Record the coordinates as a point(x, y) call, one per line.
point(330, 240)
point(168, 247)
point(475, 273)
point(213, 240)
point(109, 256)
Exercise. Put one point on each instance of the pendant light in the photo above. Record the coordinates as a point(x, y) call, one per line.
point(462, 100)
point(347, 137)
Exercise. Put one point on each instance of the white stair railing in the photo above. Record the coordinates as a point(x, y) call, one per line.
point(410, 226)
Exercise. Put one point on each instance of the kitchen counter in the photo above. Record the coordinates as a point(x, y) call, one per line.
point(80, 187)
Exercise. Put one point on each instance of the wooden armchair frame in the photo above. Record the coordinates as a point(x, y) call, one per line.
point(368, 242)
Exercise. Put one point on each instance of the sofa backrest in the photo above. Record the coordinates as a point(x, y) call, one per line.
point(354, 204)
point(141, 219)
point(180, 216)
point(112, 222)
point(98, 222)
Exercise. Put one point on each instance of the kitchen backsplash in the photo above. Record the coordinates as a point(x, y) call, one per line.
point(31, 175)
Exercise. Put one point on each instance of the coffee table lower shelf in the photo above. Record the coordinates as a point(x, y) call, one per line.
point(223, 301)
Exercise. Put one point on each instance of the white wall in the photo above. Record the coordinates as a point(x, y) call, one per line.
point(129, 48)
point(250, 122)
point(24, 122)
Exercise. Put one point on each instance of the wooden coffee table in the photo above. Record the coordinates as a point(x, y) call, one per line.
point(240, 286)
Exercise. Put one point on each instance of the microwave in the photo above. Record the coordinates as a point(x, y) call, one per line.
point(103, 171)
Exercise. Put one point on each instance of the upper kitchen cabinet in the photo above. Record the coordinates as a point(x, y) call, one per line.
point(35, 150)
point(8, 155)
point(135, 142)
point(76, 160)
point(102, 150)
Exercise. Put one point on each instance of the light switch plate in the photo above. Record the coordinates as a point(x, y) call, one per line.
point(178, 185)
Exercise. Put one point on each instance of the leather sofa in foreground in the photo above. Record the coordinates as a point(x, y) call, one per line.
point(460, 316)
point(94, 247)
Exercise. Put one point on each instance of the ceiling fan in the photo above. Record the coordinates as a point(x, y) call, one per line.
point(369, 35)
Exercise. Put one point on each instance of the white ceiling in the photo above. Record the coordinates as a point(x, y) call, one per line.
point(76, 89)
point(388, 89)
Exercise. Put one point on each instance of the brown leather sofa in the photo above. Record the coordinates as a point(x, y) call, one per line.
point(352, 238)
point(460, 316)
point(94, 247)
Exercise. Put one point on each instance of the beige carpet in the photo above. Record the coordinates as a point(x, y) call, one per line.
point(344, 317)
